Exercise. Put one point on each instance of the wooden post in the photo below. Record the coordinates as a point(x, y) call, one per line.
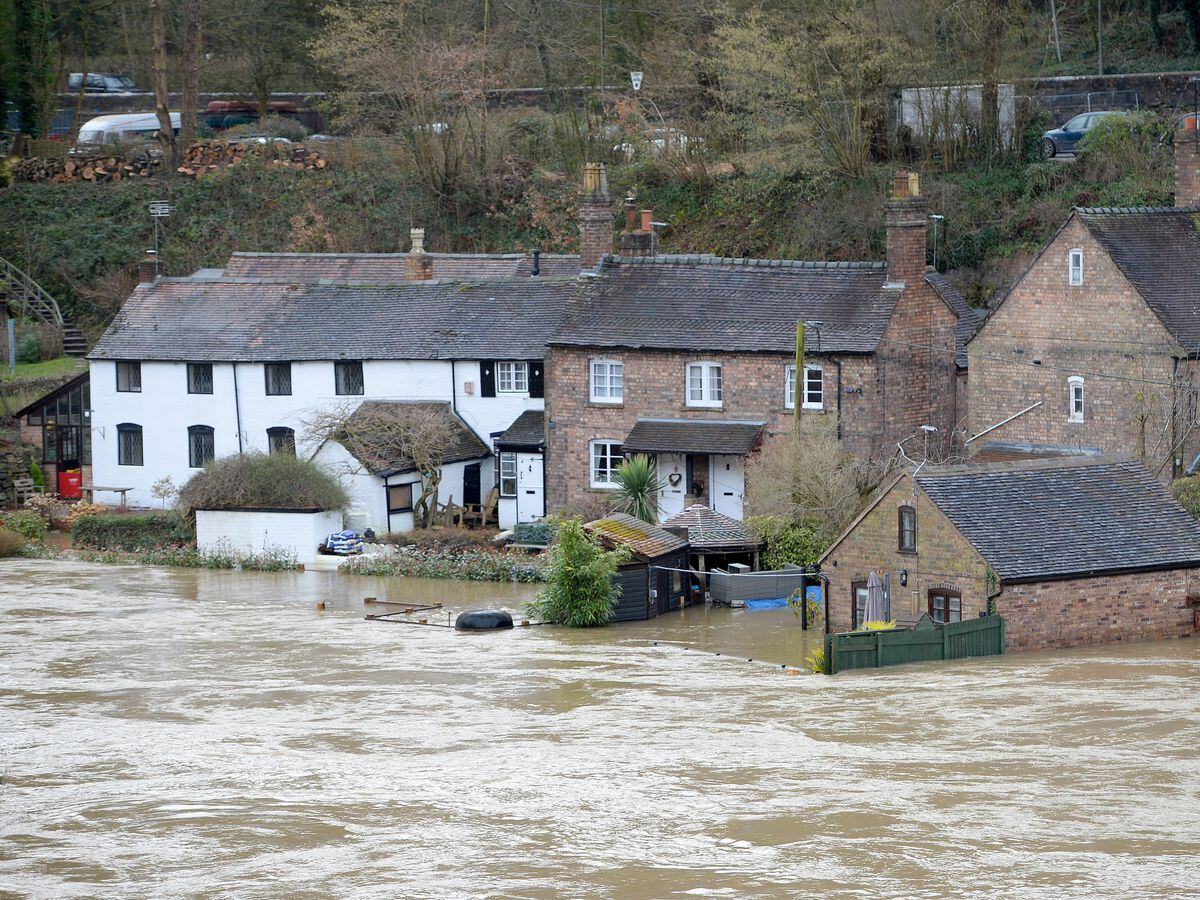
point(799, 372)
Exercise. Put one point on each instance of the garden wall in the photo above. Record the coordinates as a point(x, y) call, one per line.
point(253, 531)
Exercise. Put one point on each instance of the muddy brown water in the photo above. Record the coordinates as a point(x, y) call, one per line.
point(180, 733)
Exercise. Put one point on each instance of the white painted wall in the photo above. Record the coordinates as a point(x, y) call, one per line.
point(487, 415)
point(255, 531)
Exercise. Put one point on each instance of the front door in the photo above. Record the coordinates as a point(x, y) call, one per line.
point(471, 485)
point(531, 487)
point(672, 471)
point(728, 485)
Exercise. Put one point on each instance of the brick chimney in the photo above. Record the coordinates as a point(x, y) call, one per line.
point(906, 216)
point(595, 217)
point(417, 264)
point(148, 267)
point(1187, 167)
point(638, 238)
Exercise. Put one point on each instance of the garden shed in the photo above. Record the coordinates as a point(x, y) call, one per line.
point(716, 539)
point(653, 581)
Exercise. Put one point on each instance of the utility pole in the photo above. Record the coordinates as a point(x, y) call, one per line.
point(799, 380)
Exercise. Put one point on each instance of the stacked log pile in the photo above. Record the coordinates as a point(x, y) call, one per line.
point(208, 157)
point(62, 171)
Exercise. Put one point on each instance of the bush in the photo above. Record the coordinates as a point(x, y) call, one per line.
point(441, 539)
point(468, 565)
point(25, 522)
point(35, 472)
point(271, 126)
point(1187, 492)
point(259, 481)
point(28, 350)
point(800, 543)
point(11, 543)
point(579, 591)
point(131, 533)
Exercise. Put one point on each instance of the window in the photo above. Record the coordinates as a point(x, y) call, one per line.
point(814, 388)
point(281, 440)
point(512, 377)
point(279, 379)
point(1075, 399)
point(399, 498)
point(606, 456)
point(348, 377)
point(201, 446)
point(199, 378)
point(858, 594)
point(508, 474)
point(704, 384)
point(906, 530)
point(945, 606)
point(129, 444)
point(129, 377)
point(608, 381)
point(1075, 267)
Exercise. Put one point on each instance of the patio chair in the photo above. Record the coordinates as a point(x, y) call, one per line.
point(483, 514)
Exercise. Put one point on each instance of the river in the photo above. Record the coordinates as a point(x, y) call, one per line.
point(176, 732)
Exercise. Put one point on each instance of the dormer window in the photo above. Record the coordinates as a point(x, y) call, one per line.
point(704, 385)
point(1075, 398)
point(1075, 267)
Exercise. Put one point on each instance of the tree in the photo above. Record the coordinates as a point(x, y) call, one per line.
point(189, 101)
point(638, 487)
point(267, 42)
point(36, 63)
point(166, 131)
point(579, 591)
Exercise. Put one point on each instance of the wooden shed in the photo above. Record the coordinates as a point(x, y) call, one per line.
point(654, 580)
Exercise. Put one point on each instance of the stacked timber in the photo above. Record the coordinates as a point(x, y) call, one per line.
point(62, 171)
point(208, 157)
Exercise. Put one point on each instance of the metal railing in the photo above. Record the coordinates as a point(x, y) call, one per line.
point(27, 297)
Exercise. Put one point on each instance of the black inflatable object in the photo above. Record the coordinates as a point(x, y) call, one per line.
point(483, 620)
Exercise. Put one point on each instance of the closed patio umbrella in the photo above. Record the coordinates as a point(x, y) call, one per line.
point(874, 610)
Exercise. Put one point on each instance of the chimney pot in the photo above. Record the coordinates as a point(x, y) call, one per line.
point(647, 217)
point(148, 267)
point(630, 213)
point(417, 236)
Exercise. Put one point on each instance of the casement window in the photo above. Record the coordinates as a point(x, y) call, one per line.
point(858, 604)
point(129, 377)
point(348, 377)
point(945, 606)
point(508, 474)
point(512, 377)
point(279, 379)
point(814, 388)
point(607, 380)
point(906, 530)
point(281, 441)
point(201, 446)
point(129, 444)
point(1075, 398)
point(606, 457)
point(1075, 267)
point(399, 498)
point(704, 386)
point(199, 378)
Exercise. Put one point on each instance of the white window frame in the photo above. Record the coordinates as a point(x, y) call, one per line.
point(508, 472)
point(1075, 272)
point(613, 460)
point(512, 377)
point(789, 387)
point(712, 390)
point(808, 402)
point(1075, 383)
point(608, 392)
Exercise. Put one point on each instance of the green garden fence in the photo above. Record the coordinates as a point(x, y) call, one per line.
point(926, 641)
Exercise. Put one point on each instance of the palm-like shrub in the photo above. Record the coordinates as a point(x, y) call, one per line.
point(579, 590)
point(638, 487)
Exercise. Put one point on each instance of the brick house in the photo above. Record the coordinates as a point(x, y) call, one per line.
point(1095, 347)
point(691, 359)
point(1070, 551)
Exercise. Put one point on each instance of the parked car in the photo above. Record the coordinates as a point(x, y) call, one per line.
point(138, 128)
point(102, 83)
point(1066, 138)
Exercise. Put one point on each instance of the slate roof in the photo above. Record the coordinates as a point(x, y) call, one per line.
point(1060, 518)
point(713, 303)
point(644, 540)
point(710, 530)
point(374, 451)
point(1158, 250)
point(388, 268)
point(527, 431)
point(257, 320)
point(692, 436)
point(969, 318)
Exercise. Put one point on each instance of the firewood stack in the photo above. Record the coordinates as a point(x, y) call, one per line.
point(63, 171)
point(202, 159)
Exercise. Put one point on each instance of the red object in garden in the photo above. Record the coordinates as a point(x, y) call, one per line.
point(70, 483)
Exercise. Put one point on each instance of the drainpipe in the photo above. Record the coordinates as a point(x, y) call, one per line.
point(387, 502)
point(838, 363)
point(237, 409)
point(1174, 416)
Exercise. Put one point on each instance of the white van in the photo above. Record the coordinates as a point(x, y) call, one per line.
point(126, 127)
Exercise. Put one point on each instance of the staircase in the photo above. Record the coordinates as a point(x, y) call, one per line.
point(28, 300)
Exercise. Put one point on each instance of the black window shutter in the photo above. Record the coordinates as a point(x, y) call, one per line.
point(537, 381)
point(487, 378)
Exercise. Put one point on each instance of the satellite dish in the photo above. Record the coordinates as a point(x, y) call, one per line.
point(636, 79)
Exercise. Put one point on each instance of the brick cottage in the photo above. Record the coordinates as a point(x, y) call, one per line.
point(1070, 551)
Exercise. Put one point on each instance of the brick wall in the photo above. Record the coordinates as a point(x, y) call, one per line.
point(1101, 326)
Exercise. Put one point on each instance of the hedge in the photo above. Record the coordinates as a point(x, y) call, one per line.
point(469, 565)
point(131, 533)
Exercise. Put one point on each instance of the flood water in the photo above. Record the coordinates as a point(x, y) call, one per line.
point(170, 732)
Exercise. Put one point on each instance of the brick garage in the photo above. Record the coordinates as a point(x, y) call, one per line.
point(1070, 551)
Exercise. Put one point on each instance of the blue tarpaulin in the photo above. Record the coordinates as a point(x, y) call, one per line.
point(775, 603)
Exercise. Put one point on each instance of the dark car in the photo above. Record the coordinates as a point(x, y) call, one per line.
point(1065, 139)
point(101, 83)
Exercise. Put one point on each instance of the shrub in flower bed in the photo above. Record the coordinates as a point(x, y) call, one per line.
point(11, 543)
point(131, 533)
point(271, 560)
point(25, 522)
point(440, 538)
point(469, 565)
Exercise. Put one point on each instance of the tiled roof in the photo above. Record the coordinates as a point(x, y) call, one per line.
point(692, 436)
point(647, 541)
point(388, 268)
point(1158, 250)
point(249, 320)
point(1065, 517)
point(709, 530)
point(367, 439)
point(712, 303)
point(527, 431)
point(969, 318)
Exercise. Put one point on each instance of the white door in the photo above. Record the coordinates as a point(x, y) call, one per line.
point(531, 487)
point(727, 485)
point(672, 469)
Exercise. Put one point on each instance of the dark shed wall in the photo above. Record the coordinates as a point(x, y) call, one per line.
point(632, 603)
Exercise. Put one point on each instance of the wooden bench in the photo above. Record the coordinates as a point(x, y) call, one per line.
point(89, 492)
